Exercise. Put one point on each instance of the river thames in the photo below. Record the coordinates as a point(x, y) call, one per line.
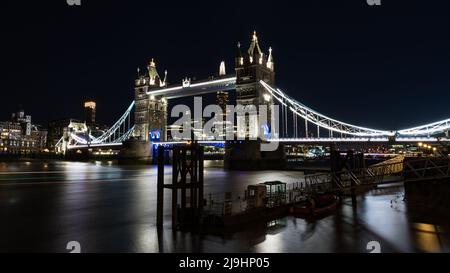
point(110, 208)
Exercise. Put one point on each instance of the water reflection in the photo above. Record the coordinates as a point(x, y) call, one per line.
point(430, 238)
point(110, 208)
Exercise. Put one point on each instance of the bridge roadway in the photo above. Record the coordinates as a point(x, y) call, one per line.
point(403, 140)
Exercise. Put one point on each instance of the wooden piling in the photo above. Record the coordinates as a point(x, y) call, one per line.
point(160, 188)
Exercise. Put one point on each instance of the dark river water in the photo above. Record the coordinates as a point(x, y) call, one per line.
point(110, 208)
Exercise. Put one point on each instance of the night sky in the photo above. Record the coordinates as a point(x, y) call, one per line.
point(386, 67)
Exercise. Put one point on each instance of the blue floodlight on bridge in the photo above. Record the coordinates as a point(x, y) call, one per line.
point(155, 136)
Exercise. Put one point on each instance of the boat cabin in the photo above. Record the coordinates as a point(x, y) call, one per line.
point(276, 193)
point(256, 196)
point(267, 194)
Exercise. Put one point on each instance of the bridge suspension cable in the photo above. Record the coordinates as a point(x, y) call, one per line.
point(442, 126)
point(119, 132)
point(110, 134)
point(322, 121)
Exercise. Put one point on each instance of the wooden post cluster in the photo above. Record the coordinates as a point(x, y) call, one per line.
point(186, 186)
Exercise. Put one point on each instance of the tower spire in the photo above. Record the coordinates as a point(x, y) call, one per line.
point(153, 73)
point(222, 71)
point(254, 51)
point(152, 63)
point(239, 58)
point(238, 51)
point(270, 60)
point(164, 82)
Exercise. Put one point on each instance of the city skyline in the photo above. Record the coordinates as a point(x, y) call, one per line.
point(382, 64)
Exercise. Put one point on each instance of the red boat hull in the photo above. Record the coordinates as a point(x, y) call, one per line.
point(309, 209)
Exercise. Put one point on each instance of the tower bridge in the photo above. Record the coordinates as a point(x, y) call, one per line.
point(254, 84)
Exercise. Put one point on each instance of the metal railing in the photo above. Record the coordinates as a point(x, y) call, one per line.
point(426, 169)
point(390, 171)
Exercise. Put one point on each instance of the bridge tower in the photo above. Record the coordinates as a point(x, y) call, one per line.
point(151, 111)
point(252, 66)
point(150, 118)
